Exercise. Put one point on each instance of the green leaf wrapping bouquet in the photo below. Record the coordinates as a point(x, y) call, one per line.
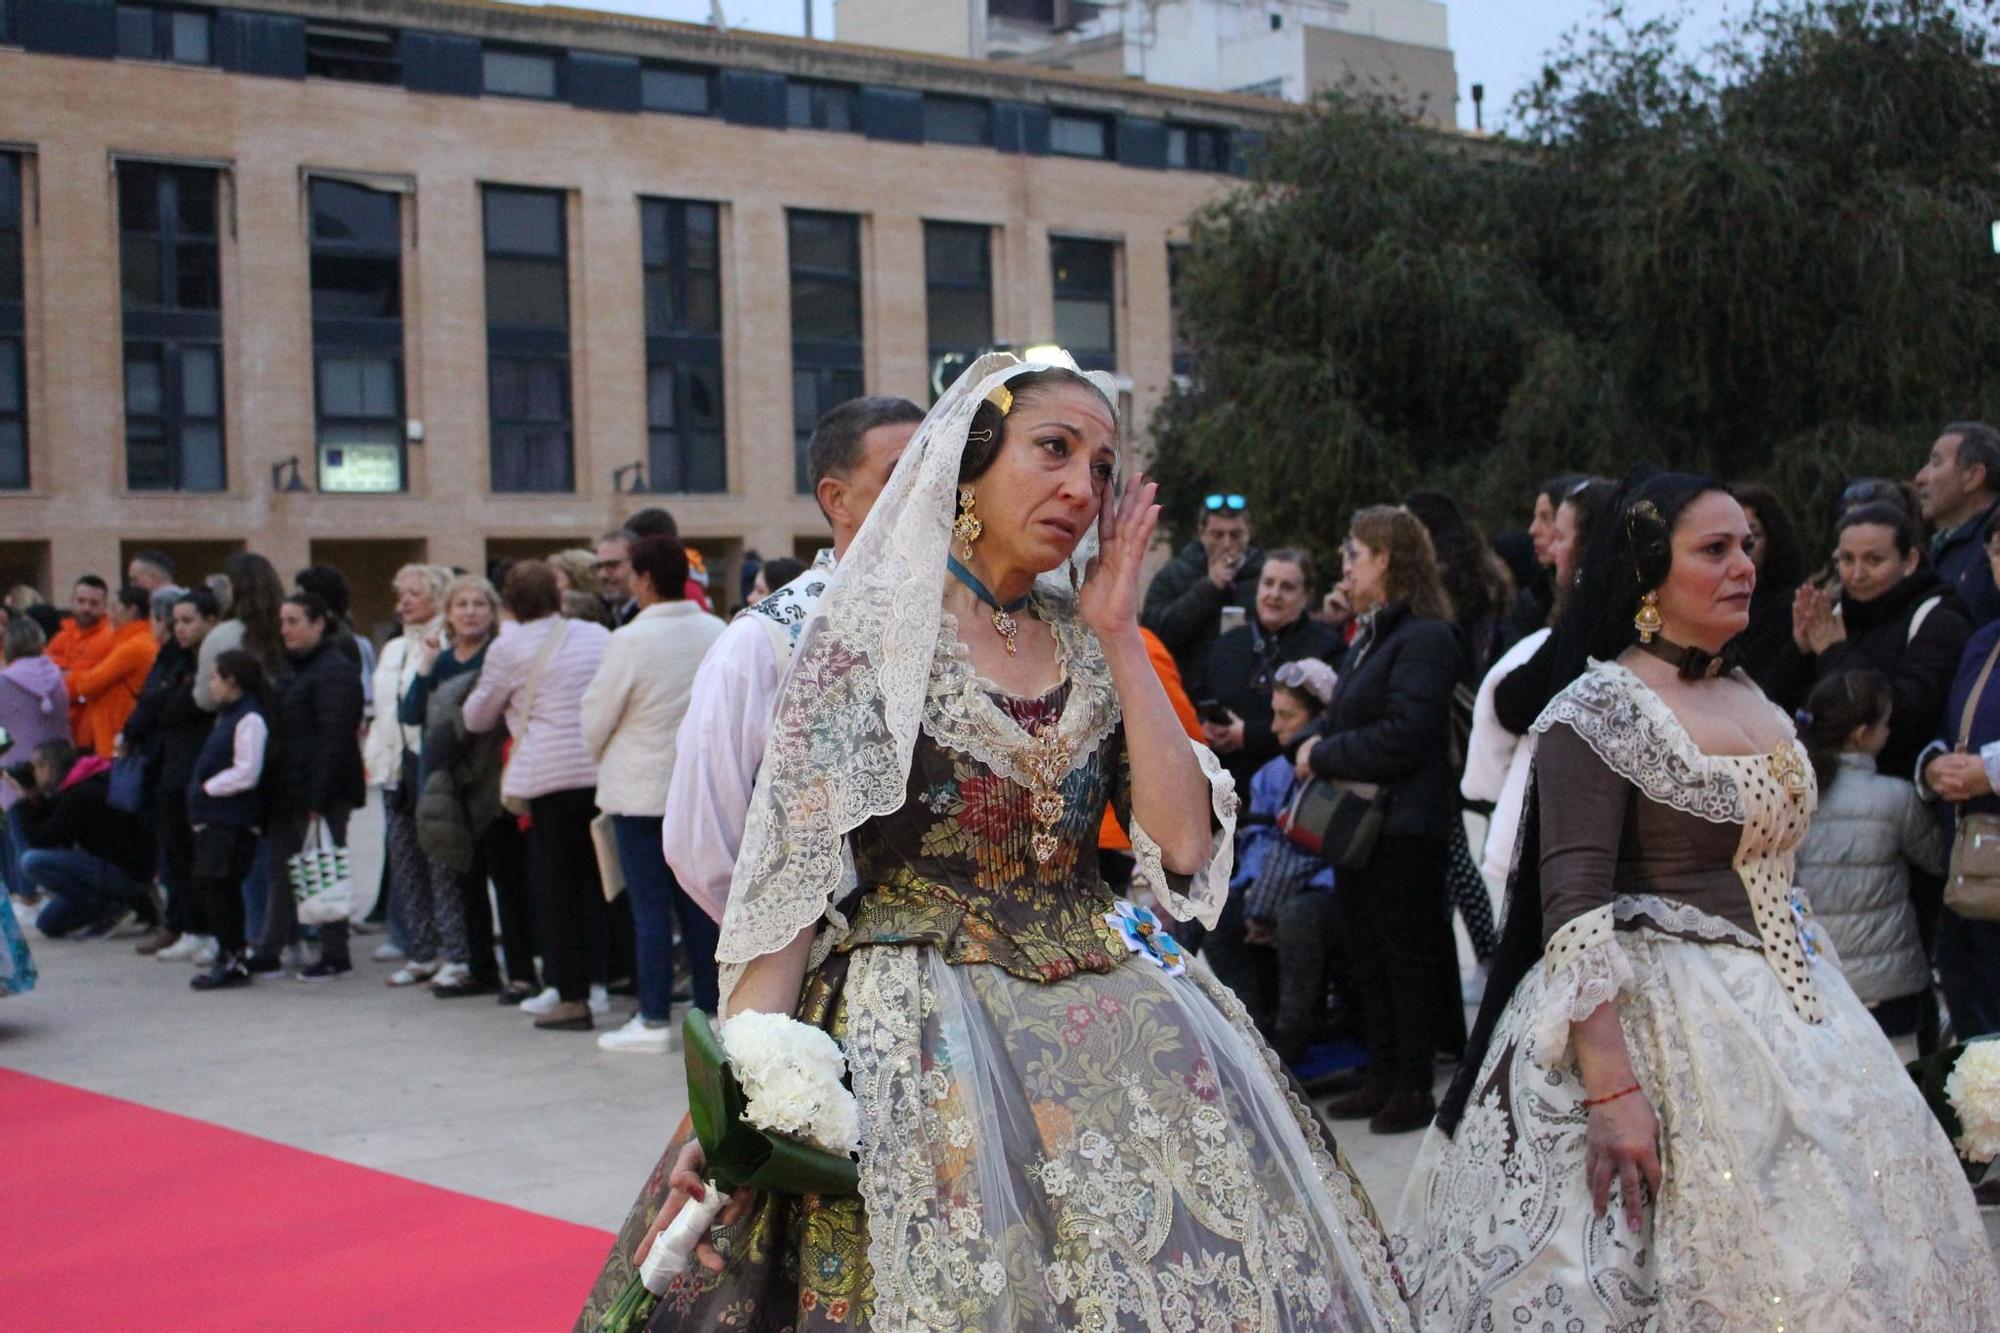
point(1961, 1084)
point(770, 1105)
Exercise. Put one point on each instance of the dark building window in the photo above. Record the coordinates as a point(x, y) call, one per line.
point(13, 321)
point(957, 120)
point(357, 54)
point(1086, 290)
point(825, 257)
point(521, 73)
point(819, 106)
point(1183, 349)
point(171, 276)
point(1198, 148)
point(357, 307)
point(683, 278)
point(691, 92)
point(1075, 135)
point(527, 340)
point(180, 35)
point(958, 297)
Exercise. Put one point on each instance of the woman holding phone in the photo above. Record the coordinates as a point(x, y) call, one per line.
point(1236, 715)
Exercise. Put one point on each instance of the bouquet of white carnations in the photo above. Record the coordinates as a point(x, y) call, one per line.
point(770, 1105)
point(1962, 1085)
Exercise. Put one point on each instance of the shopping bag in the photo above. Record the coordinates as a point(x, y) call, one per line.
point(610, 870)
point(322, 880)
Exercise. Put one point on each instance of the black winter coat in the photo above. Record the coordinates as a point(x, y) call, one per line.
point(166, 725)
point(317, 734)
point(80, 817)
point(1239, 679)
point(1960, 559)
point(1920, 668)
point(1390, 720)
point(1185, 610)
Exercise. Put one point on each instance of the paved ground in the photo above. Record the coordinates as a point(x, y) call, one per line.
point(461, 1093)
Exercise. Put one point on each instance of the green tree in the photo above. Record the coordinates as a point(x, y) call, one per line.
point(1771, 260)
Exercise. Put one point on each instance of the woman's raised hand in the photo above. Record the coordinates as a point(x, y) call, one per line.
point(1109, 599)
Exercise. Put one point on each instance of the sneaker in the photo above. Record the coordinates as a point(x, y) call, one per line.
point(409, 974)
point(326, 969)
point(181, 950)
point(456, 981)
point(264, 964)
point(642, 1038)
point(542, 1003)
point(228, 974)
point(386, 952)
point(208, 953)
point(104, 925)
point(571, 1017)
point(26, 909)
point(600, 1000)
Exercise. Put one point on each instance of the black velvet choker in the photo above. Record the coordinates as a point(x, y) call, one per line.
point(1693, 663)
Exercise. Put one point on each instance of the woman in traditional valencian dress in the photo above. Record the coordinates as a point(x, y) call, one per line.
point(1063, 1126)
point(1676, 1115)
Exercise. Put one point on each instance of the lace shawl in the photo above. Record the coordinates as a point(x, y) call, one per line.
point(1636, 734)
point(853, 697)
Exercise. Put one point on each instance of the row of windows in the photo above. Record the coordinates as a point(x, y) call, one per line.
point(172, 301)
point(288, 46)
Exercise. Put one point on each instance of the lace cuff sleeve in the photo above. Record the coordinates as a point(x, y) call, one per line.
point(1202, 894)
point(1586, 968)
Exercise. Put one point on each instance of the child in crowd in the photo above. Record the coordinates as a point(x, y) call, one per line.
point(1854, 865)
point(225, 803)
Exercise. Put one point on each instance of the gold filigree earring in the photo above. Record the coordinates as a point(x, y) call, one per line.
point(1647, 619)
point(965, 529)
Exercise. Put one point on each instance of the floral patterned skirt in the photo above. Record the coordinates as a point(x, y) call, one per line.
point(1117, 1150)
point(1806, 1184)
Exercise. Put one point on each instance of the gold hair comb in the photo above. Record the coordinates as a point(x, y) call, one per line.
point(1001, 397)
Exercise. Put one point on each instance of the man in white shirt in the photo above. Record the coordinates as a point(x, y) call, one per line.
point(721, 745)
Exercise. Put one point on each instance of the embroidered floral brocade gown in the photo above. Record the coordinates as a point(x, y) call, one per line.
point(1806, 1185)
point(1057, 1134)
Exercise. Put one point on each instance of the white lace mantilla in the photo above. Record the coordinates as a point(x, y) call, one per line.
point(1772, 796)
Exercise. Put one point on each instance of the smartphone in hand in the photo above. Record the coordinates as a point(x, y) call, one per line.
point(1233, 617)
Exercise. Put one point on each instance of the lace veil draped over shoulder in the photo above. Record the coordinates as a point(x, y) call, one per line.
point(851, 703)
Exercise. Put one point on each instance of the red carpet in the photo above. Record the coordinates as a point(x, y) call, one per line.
point(116, 1216)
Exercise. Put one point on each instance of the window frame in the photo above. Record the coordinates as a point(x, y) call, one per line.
point(506, 50)
point(356, 337)
point(1090, 358)
point(335, 30)
point(982, 283)
point(13, 312)
point(163, 39)
point(704, 74)
point(940, 103)
point(818, 97)
point(1107, 137)
point(525, 346)
point(689, 354)
point(834, 365)
point(170, 328)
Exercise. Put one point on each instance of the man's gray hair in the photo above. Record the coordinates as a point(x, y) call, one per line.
point(1977, 443)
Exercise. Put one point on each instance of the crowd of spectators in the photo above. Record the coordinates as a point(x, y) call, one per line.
point(1421, 672)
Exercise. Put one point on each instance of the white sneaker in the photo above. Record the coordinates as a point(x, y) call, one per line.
point(452, 974)
point(208, 953)
point(600, 1000)
point(637, 1037)
point(541, 1004)
point(26, 909)
point(409, 974)
point(180, 951)
point(386, 952)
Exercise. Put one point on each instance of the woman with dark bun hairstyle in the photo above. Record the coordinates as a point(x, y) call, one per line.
point(1664, 1029)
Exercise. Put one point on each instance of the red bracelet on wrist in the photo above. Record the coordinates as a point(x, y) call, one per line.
point(1599, 1101)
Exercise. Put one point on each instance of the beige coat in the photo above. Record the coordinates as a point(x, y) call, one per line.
point(633, 707)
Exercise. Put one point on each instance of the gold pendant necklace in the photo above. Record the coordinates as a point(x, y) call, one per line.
point(1009, 629)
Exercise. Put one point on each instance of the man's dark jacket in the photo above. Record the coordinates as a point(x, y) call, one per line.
point(1185, 609)
point(317, 725)
point(1960, 560)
